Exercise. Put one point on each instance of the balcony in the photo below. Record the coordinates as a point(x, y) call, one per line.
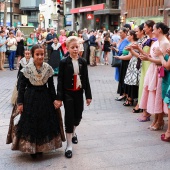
point(32, 18)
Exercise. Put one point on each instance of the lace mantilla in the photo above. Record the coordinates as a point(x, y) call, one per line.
point(38, 77)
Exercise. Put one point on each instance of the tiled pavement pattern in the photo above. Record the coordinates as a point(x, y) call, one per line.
point(110, 137)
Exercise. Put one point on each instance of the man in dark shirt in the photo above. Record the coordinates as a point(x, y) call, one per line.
point(93, 45)
point(49, 41)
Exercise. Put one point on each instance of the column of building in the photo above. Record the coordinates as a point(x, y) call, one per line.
point(73, 16)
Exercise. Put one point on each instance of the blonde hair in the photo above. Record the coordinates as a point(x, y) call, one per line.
point(71, 39)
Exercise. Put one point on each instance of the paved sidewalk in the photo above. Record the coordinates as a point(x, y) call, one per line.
point(110, 137)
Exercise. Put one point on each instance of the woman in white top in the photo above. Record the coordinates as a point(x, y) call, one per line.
point(81, 41)
point(12, 46)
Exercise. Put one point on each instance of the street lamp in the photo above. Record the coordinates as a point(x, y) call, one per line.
point(122, 20)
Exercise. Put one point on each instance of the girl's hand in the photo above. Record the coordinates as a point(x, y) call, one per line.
point(135, 46)
point(20, 108)
point(129, 48)
point(157, 51)
point(145, 57)
point(168, 51)
point(57, 103)
point(116, 57)
point(88, 101)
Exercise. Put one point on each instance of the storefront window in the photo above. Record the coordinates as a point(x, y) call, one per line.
point(115, 4)
point(100, 1)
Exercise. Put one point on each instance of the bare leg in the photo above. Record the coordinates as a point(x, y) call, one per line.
point(3, 60)
point(18, 59)
point(167, 134)
point(159, 123)
point(97, 60)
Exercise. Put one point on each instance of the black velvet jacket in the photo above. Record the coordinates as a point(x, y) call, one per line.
point(66, 74)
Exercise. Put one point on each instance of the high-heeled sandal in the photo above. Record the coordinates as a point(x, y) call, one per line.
point(157, 126)
point(147, 118)
point(128, 102)
point(154, 121)
point(165, 139)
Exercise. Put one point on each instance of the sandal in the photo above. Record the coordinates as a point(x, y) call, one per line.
point(146, 118)
point(128, 102)
point(137, 111)
point(163, 138)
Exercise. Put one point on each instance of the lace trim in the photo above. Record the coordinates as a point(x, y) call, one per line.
point(38, 77)
point(24, 62)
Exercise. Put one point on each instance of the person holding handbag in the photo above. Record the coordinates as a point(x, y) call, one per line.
point(12, 47)
point(3, 43)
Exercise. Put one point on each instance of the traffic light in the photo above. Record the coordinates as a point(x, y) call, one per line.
point(60, 7)
point(40, 17)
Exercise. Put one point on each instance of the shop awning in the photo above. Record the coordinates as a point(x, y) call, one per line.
point(87, 8)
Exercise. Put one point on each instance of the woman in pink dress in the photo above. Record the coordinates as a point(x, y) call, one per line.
point(62, 40)
point(152, 92)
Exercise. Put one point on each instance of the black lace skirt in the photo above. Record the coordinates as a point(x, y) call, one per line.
point(38, 123)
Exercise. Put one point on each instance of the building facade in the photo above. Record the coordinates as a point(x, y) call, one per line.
point(142, 10)
point(13, 15)
point(93, 14)
point(30, 9)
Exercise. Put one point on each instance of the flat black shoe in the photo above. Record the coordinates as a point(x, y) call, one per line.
point(74, 139)
point(33, 156)
point(39, 153)
point(68, 154)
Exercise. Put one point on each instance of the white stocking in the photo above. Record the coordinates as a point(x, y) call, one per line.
point(74, 129)
point(69, 141)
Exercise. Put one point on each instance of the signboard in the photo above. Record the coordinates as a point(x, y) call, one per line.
point(90, 16)
point(68, 20)
point(24, 19)
point(88, 8)
point(97, 19)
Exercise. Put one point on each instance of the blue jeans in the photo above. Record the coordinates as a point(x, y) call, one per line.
point(11, 59)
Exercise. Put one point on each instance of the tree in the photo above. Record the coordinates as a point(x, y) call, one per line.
point(5, 12)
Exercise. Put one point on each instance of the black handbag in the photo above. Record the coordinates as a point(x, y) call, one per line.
point(8, 52)
point(116, 62)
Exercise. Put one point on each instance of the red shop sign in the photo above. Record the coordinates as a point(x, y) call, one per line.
point(88, 8)
point(90, 16)
point(97, 20)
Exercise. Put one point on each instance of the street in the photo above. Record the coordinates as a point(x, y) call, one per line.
point(110, 137)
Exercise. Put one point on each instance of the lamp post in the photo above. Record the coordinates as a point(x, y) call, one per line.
point(122, 20)
point(11, 13)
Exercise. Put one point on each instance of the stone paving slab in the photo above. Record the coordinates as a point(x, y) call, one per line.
point(110, 137)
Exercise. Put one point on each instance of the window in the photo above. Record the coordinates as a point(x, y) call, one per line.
point(115, 4)
point(16, 5)
point(16, 17)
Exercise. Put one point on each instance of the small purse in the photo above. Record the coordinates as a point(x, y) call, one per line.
point(161, 72)
point(8, 52)
point(116, 62)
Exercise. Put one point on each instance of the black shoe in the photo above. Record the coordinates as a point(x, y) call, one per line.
point(33, 156)
point(74, 139)
point(120, 98)
point(68, 154)
point(39, 153)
